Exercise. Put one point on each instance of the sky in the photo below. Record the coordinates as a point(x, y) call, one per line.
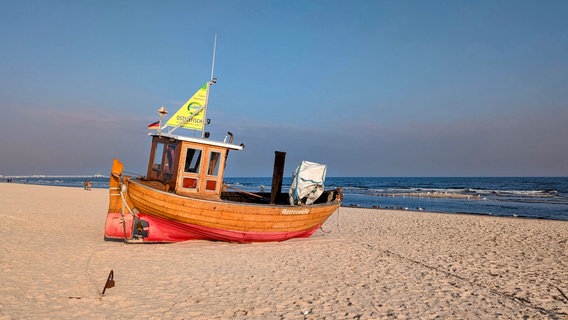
point(370, 88)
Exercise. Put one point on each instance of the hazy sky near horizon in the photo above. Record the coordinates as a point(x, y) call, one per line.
point(371, 88)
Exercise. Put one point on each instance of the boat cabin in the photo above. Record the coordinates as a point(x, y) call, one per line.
point(189, 166)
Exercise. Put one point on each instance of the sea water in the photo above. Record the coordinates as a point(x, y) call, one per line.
point(527, 197)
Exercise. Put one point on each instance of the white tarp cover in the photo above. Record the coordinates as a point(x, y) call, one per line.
point(307, 183)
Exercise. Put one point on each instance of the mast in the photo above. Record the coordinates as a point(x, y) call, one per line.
point(213, 63)
point(211, 81)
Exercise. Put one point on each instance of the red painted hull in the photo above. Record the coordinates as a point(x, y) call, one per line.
point(164, 230)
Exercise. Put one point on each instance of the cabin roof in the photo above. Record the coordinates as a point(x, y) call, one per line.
point(199, 140)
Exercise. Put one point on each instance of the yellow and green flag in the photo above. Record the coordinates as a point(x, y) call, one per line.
point(189, 108)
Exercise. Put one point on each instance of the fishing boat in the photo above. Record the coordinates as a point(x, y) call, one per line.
point(183, 195)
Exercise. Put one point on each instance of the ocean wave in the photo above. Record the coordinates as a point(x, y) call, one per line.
point(361, 189)
point(517, 193)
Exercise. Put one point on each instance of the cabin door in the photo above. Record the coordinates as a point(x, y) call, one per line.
point(211, 179)
point(191, 169)
point(162, 162)
point(202, 170)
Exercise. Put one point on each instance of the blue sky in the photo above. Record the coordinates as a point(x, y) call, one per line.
point(371, 88)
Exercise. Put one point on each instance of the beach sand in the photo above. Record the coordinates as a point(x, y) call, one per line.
point(363, 264)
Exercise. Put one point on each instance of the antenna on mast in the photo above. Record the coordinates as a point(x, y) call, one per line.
point(213, 79)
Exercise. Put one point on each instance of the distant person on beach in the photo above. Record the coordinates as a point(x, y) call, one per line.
point(87, 185)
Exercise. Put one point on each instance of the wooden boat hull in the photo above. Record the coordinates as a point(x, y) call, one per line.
point(161, 230)
point(160, 216)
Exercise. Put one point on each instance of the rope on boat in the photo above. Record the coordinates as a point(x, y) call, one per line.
point(122, 213)
point(114, 194)
point(246, 192)
point(134, 174)
point(337, 220)
point(124, 204)
point(321, 228)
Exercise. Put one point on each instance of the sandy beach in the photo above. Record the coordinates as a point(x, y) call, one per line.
point(363, 264)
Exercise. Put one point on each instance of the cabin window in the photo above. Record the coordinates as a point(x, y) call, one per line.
point(169, 165)
point(214, 160)
point(158, 153)
point(170, 157)
point(192, 160)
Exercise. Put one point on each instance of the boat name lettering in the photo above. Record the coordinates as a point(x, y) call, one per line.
point(295, 211)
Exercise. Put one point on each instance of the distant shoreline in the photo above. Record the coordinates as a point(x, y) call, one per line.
point(37, 176)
